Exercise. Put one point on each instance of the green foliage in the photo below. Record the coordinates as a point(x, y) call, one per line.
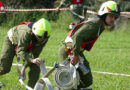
point(15, 17)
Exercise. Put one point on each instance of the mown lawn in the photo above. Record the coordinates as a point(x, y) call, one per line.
point(111, 53)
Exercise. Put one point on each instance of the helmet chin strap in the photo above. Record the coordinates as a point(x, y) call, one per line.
point(30, 25)
point(44, 36)
point(103, 17)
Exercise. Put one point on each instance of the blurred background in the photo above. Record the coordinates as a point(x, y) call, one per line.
point(15, 17)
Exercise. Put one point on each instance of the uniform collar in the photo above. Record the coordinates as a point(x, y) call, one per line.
point(30, 25)
point(102, 21)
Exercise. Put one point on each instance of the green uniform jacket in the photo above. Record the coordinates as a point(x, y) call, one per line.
point(87, 32)
point(23, 36)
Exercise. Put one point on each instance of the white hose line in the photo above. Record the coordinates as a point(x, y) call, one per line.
point(109, 73)
point(22, 83)
point(48, 83)
point(40, 85)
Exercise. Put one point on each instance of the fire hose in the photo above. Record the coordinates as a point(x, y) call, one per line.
point(66, 77)
point(44, 80)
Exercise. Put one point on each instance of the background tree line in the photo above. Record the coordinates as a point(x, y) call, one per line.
point(14, 17)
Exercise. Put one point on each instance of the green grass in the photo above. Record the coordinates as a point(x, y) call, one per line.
point(111, 53)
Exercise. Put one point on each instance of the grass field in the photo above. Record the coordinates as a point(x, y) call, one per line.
point(111, 53)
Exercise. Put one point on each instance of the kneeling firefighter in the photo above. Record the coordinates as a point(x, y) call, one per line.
point(83, 37)
point(25, 41)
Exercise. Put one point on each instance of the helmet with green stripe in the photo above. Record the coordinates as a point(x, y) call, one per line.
point(109, 7)
point(41, 28)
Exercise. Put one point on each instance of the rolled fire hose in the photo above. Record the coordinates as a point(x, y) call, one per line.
point(66, 78)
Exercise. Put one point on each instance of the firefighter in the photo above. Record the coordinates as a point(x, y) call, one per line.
point(83, 37)
point(76, 6)
point(25, 41)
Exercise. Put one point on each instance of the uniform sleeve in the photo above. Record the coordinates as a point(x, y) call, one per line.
point(82, 34)
point(23, 42)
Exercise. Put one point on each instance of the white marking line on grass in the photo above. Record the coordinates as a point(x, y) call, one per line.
point(117, 74)
point(16, 64)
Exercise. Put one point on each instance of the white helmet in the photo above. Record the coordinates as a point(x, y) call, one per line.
point(109, 7)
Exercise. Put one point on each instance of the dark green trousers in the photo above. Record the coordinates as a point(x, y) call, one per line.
point(6, 60)
point(85, 80)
